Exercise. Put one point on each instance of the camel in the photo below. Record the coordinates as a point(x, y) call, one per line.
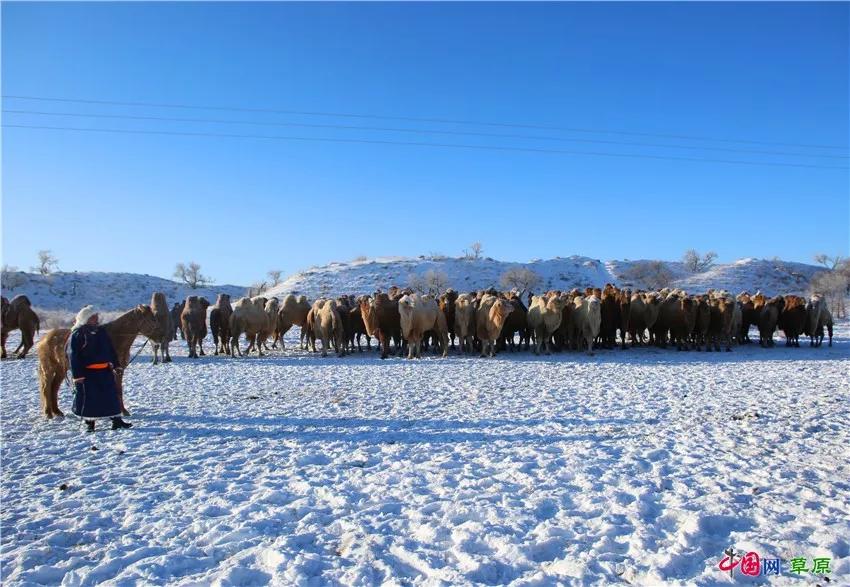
point(328, 327)
point(19, 315)
point(271, 307)
point(768, 317)
point(516, 322)
point(220, 323)
point(163, 336)
point(544, 318)
point(357, 329)
point(381, 319)
point(818, 316)
point(248, 317)
point(721, 323)
point(792, 321)
point(53, 363)
point(419, 314)
point(588, 319)
point(447, 305)
point(193, 322)
point(464, 310)
point(176, 312)
point(490, 319)
point(293, 312)
point(699, 336)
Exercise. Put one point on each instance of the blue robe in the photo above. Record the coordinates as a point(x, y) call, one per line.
point(97, 395)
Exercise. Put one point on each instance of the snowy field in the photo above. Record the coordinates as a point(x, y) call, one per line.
point(630, 467)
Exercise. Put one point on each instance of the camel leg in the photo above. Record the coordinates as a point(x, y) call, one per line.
point(54, 396)
point(26, 343)
point(119, 383)
point(46, 389)
point(4, 336)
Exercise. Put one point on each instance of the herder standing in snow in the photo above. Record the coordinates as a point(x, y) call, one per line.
point(93, 362)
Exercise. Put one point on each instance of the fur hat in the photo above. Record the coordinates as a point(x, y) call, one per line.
point(84, 315)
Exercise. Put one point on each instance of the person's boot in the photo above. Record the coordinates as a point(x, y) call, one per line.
point(118, 423)
point(89, 425)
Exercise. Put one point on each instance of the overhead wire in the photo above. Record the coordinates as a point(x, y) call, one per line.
point(420, 144)
point(415, 119)
point(414, 131)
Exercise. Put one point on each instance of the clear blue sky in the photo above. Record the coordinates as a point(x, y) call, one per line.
point(776, 73)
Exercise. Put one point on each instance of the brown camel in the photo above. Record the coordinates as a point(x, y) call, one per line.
point(19, 315)
point(162, 339)
point(53, 362)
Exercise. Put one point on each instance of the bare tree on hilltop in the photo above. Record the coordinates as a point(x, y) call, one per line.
point(431, 282)
point(474, 252)
point(257, 289)
point(10, 278)
point(47, 263)
point(522, 279)
point(191, 275)
point(274, 275)
point(834, 283)
point(827, 261)
point(695, 263)
point(649, 274)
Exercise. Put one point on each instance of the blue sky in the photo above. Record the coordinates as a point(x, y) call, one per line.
point(775, 73)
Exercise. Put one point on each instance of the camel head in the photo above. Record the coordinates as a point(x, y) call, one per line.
point(147, 323)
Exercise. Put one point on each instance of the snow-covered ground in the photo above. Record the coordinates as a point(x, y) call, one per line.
point(630, 467)
point(365, 275)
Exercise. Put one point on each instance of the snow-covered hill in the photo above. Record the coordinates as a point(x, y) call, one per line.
point(70, 291)
point(365, 275)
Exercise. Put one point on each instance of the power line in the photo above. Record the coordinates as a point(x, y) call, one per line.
point(416, 119)
point(417, 131)
point(418, 144)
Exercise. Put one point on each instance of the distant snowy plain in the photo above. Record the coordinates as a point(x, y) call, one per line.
point(629, 467)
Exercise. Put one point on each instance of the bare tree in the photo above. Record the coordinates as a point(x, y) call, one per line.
point(274, 275)
point(10, 278)
point(649, 274)
point(257, 289)
point(47, 263)
point(695, 263)
point(431, 282)
point(522, 279)
point(827, 261)
point(844, 269)
point(191, 275)
point(474, 251)
point(833, 286)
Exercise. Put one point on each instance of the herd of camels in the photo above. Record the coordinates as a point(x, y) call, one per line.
point(401, 320)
